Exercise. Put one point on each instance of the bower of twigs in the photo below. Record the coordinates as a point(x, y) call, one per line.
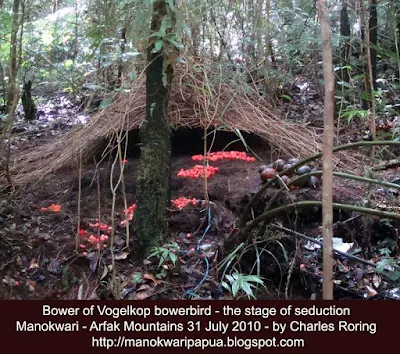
point(198, 99)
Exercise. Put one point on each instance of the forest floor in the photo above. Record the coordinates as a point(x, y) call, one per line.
point(39, 227)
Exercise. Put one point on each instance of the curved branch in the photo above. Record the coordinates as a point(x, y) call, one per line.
point(304, 204)
point(256, 196)
point(337, 174)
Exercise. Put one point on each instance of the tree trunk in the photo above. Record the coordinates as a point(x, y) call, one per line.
point(327, 208)
point(13, 55)
point(373, 38)
point(152, 195)
point(197, 13)
point(345, 32)
point(121, 59)
point(27, 102)
point(76, 39)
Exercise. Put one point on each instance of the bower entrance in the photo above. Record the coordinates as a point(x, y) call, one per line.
point(190, 141)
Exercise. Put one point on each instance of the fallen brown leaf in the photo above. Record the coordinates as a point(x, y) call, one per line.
point(121, 256)
point(149, 277)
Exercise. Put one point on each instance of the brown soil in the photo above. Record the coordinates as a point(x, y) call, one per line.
point(37, 248)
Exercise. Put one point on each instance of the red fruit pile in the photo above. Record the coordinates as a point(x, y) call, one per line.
point(129, 213)
point(198, 171)
point(100, 226)
point(220, 155)
point(89, 240)
point(181, 202)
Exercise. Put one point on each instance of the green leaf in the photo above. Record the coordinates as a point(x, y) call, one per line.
point(247, 289)
point(172, 245)
point(196, 68)
point(171, 5)
point(254, 278)
point(165, 24)
point(344, 83)
point(105, 272)
point(175, 43)
point(230, 278)
point(137, 278)
point(173, 257)
point(132, 75)
point(68, 63)
point(160, 263)
point(163, 273)
point(158, 34)
point(283, 251)
point(105, 103)
point(226, 286)
point(165, 255)
point(94, 87)
point(155, 251)
point(394, 276)
point(187, 30)
point(348, 67)
point(385, 262)
point(235, 288)
point(157, 46)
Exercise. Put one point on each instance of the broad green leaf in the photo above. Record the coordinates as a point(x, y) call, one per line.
point(230, 278)
point(157, 46)
point(226, 286)
point(235, 288)
point(173, 257)
point(247, 289)
point(105, 103)
point(254, 278)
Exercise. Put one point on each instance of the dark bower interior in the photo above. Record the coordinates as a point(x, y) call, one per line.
point(190, 141)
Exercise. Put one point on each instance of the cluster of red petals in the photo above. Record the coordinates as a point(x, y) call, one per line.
point(94, 240)
point(101, 226)
point(83, 233)
point(91, 240)
point(198, 171)
point(229, 155)
point(56, 208)
point(182, 202)
point(129, 213)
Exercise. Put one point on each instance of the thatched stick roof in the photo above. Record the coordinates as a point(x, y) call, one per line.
point(195, 102)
